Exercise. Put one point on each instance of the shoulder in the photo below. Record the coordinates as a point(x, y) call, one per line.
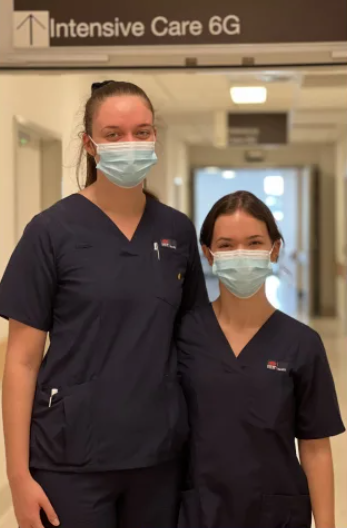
point(308, 342)
point(43, 225)
point(193, 323)
point(59, 210)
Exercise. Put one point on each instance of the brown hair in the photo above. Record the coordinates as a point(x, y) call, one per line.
point(100, 92)
point(239, 201)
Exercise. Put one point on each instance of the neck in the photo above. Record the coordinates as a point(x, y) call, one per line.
point(242, 313)
point(114, 199)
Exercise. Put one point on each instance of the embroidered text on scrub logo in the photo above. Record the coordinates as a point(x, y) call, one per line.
point(275, 365)
point(168, 243)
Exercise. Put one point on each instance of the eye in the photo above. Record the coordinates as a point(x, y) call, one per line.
point(112, 135)
point(144, 134)
point(256, 243)
point(224, 246)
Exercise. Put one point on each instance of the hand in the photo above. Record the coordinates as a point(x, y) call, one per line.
point(28, 500)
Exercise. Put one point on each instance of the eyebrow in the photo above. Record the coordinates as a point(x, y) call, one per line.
point(226, 239)
point(115, 127)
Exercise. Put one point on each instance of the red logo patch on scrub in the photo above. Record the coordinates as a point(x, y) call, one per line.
point(272, 365)
point(168, 243)
point(277, 365)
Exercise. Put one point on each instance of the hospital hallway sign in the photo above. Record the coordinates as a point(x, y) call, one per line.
point(59, 23)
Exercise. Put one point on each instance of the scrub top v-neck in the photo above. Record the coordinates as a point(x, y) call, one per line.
point(107, 395)
point(245, 413)
point(226, 347)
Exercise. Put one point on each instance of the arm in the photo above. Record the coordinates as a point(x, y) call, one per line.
point(317, 418)
point(316, 460)
point(194, 289)
point(24, 356)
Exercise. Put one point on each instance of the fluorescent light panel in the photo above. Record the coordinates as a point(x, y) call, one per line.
point(274, 185)
point(248, 94)
point(228, 174)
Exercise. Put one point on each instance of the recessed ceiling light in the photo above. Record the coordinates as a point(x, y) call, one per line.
point(228, 174)
point(270, 201)
point(178, 181)
point(248, 94)
point(274, 185)
point(278, 216)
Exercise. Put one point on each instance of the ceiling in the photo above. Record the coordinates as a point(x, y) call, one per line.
point(315, 98)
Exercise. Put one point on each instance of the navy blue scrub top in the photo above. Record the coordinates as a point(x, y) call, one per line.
point(111, 307)
point(245, 413)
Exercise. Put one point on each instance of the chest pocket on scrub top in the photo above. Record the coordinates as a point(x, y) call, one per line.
point(170, 271)
point(271, 399)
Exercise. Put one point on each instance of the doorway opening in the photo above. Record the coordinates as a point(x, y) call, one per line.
point(38, 162)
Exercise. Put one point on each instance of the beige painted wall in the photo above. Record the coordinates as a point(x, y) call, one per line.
point(28, 183)
point(172, 163)
point(51, 172)
point(341, 230)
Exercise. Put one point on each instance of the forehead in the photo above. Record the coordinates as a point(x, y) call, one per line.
point(238, 225)
point(122, 110)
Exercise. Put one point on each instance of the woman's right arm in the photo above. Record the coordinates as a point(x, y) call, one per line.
point(23, 360)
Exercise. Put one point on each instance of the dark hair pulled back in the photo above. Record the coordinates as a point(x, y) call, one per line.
point(99, 93)
point(239, 201)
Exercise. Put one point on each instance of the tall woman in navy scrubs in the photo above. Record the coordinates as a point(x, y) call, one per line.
point(255, 380)
point(94, 432)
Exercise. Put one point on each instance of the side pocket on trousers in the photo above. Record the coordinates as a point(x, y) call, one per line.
point(79, 438)
point(190, 515)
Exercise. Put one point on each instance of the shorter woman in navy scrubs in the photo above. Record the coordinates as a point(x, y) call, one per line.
point(255, 379)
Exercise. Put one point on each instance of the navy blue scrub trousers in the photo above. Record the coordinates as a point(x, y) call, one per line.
point(139, 498)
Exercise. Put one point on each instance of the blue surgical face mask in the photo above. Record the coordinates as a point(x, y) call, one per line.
point(127, 163)
point(243, 272)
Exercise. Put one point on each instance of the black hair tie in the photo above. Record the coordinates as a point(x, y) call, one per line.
point(97, 85)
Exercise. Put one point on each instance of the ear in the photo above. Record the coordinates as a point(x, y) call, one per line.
point(155, 132)
point(207, 254)
point(88, 145)
point(276, 251)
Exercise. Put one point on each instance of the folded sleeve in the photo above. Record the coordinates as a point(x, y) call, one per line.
point(28, 286)
point(317, 408)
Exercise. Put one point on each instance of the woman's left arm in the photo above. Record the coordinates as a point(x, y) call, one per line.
point(318, 418)
point(317, 462)
point(194, 289)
